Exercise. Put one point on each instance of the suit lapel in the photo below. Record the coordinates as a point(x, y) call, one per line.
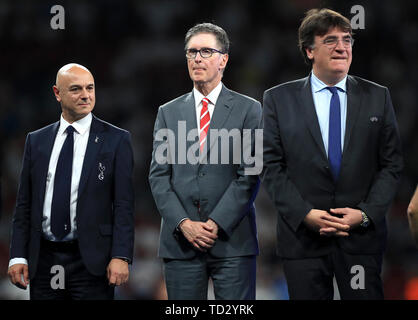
point(94, 144)
point(307, 109)
point(354, 95)
point(46, 149)
point(188, 113)
point(223, 108)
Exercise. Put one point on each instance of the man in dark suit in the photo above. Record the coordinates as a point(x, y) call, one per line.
point(208, 225)
point(75, 203)
point(332, 165)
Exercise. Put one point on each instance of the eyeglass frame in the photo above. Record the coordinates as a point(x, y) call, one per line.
point(212, 51)
point(337, 40)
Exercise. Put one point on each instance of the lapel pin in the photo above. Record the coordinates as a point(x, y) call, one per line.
point(373, 119)
point(102, 168)
point(96, 140)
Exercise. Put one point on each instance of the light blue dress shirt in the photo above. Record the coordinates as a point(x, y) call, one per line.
point(322, 100)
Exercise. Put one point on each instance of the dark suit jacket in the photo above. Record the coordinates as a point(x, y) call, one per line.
point(104, 216)
point(297, 174)
point(224, 193)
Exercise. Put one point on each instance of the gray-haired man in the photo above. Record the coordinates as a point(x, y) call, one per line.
point(208, 225)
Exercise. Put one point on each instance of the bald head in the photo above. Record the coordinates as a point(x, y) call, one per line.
point(68, 70)
point(74, 90)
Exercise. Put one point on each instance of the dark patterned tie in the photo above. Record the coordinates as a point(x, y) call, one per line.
point(60, 208)
point(334, 134)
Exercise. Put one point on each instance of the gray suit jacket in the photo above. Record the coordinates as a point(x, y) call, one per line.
point(222, 191)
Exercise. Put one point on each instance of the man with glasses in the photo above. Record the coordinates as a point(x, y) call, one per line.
point(332, 162)
point(208, 225)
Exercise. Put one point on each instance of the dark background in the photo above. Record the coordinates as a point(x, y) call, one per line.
point(135, 51)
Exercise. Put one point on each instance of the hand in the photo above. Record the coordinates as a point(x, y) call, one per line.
point(319, 220)
point(19, 275)
point(412, 212)
point(351, 217)
point(213, 225)
point(199, 234)
point(117, 272)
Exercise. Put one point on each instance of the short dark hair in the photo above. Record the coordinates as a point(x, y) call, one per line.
point(317, 22)
point(218, 32)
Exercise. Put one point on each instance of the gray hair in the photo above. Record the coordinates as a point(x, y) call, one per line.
point(218, 32)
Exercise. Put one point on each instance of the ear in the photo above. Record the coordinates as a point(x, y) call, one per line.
point(224, 61)
point(57, 93)
point(309, 53)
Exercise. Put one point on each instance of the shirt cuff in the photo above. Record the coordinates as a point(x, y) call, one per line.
point(124, 259)
point(178, 225)
point(17, 261)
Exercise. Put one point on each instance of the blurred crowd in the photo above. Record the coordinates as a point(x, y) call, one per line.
point(135, 50)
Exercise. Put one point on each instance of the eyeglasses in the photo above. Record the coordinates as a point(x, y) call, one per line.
point(204, 53)
point(332, 42)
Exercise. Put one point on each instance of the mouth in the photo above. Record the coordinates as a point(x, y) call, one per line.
point(199, 69)
point(339, 58)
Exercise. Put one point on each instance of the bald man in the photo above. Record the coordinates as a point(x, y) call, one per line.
point(73, 229)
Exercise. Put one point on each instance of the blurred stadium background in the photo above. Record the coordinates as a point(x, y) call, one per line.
point(135, 52)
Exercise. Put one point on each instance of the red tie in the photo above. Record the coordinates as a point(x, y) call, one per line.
point(204, 122)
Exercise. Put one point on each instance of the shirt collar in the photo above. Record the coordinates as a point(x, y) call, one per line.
point(212, 96)
point(318, 85)
point(81, 126)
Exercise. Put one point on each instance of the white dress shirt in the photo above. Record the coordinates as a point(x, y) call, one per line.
point(81, 137)
point(322, 101)
point(212, 96)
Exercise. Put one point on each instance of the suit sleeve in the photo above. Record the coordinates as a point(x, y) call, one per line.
point(284, 194)
point(166, 199)
point(384, 186)
point(21, 217)
point(240, 194)
point(123, 202)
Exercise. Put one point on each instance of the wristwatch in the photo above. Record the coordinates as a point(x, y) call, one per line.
point(365, 220)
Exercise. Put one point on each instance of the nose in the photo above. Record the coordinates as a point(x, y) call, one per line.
point(84, 94)
point(340, 45)
point(198, 57)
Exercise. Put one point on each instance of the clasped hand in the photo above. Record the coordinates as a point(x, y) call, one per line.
point(329, 225)
point(202, 235)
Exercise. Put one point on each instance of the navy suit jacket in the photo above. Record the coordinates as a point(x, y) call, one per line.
point(104, 216)
point(297, 174)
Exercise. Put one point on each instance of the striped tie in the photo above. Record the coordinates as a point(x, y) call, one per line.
point(204, 123)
